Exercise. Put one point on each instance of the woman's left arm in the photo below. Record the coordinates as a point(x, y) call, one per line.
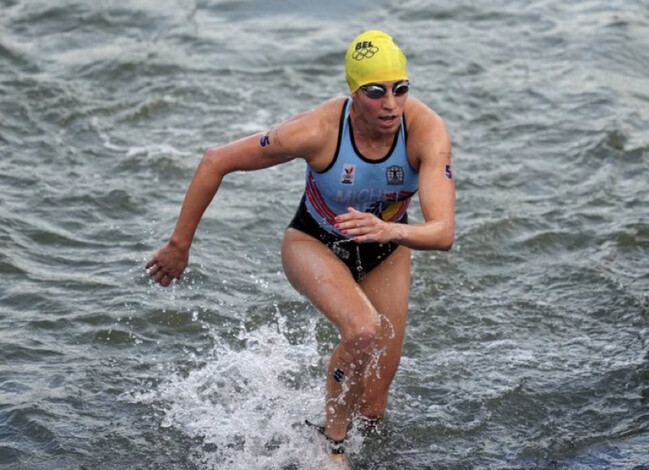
point(430, 145)
point(432, 148)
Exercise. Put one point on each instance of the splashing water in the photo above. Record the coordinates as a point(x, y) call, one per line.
point(246, 407)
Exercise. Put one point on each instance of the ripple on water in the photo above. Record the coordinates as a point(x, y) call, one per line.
point(117, 337)
point(163, 162)
point(525, 342)
point(38, 437)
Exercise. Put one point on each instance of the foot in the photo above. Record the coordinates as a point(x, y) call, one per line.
point(341, 460)
point(334, 447)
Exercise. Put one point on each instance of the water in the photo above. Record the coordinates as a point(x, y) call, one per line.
point(527, 343)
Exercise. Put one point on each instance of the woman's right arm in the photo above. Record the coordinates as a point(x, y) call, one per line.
point(243, 155)
point(296, 137)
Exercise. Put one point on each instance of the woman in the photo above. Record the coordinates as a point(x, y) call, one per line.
point(348, 247)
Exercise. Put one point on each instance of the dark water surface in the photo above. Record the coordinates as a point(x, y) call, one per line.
point(528, 343)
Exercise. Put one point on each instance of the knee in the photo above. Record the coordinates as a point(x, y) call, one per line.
point(372, 413)
point(373, 404)
point(361, 342)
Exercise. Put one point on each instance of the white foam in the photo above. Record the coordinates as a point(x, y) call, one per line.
point(155, 150)
point(248, 406)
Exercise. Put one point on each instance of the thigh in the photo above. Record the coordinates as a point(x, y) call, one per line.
point(317, 273)
point(388, 288)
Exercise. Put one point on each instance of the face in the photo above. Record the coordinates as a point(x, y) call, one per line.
point(381, 104)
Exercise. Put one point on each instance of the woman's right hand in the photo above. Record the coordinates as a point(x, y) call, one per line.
point(168, 264)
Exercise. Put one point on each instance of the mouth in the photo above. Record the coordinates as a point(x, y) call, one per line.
point(387, 119)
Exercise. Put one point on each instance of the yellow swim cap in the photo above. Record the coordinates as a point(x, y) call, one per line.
point(374, 57)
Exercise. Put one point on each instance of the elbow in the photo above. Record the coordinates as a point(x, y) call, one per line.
point(446, 241)
point(446, 246)
point(212, 161)
point(211, 156)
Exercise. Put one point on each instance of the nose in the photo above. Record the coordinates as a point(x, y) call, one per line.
point(389, 100)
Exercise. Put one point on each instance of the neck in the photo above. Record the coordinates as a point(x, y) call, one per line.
point(366, 131)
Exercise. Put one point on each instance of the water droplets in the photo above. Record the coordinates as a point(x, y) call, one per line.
point(248, 401)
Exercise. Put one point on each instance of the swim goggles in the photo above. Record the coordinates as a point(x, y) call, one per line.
point(378, 91)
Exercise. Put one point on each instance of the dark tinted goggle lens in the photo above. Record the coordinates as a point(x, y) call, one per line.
point(378, 91)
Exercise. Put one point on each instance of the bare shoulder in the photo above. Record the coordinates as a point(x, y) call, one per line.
point(422, 119)
point(308, 134)
point(333, 106)
point(322, 117)
point(427, 132)
point(320, 114)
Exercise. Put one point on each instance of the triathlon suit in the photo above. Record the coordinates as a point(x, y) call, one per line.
point(383, 187)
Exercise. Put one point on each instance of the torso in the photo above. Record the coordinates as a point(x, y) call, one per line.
point(371, 178)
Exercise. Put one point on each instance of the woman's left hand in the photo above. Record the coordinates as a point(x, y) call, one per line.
point(366, 227)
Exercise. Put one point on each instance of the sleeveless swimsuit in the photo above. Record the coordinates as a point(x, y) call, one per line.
point(382, 187)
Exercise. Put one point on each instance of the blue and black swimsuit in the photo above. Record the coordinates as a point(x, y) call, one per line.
point(383, 187)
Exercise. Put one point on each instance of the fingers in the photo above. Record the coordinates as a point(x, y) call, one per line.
point(165, 281)
point(350, 215)
point(353, 219)
point(153, 267)
point(164, 278)
point(159, 274)
point(355, 222)
point(363, 226)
